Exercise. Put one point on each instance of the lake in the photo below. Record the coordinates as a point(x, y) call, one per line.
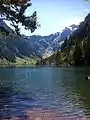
point(61, 89)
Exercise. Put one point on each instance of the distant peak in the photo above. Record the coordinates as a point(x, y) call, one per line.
point(73, 26)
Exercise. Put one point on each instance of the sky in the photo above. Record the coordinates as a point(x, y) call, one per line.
point(55, 15)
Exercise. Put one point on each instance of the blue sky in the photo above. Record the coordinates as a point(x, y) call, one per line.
point(54, 15)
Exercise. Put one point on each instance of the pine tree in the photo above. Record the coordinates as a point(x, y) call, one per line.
point(77, 55)
point(14, 11)
point(58, 55)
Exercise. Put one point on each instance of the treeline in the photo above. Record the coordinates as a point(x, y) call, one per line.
point(55, 59)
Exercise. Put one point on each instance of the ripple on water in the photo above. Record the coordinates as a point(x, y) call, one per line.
point(61, 89)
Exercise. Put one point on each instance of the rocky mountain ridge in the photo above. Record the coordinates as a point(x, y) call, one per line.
point(12, 46)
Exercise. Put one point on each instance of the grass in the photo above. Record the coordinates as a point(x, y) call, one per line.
point(25, 61)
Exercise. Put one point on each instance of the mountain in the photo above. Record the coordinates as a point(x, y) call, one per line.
point(41, 43)
point(12, 46)
point(4, 28)
point(76, 49)
point(47, 45)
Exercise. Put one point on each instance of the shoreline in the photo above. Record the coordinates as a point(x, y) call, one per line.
point(34, 65)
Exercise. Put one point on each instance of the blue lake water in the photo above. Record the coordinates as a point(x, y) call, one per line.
point(62, 89)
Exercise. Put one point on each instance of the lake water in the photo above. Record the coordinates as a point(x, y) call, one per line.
point(62, 89)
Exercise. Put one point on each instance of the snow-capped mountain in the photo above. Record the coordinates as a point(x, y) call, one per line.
point(35, 45)
point(47, 45)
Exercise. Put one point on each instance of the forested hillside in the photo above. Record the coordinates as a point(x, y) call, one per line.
point(76, 49)
point(13, 46)
point(14, 49)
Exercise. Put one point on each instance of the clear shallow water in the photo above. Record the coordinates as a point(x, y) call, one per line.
point(63, 89)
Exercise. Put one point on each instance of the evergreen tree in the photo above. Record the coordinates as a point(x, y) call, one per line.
point(64, 45)
point(14, 11)
point(87, 50)
point(77, 55)
point(71, 42)
point(58, 56)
